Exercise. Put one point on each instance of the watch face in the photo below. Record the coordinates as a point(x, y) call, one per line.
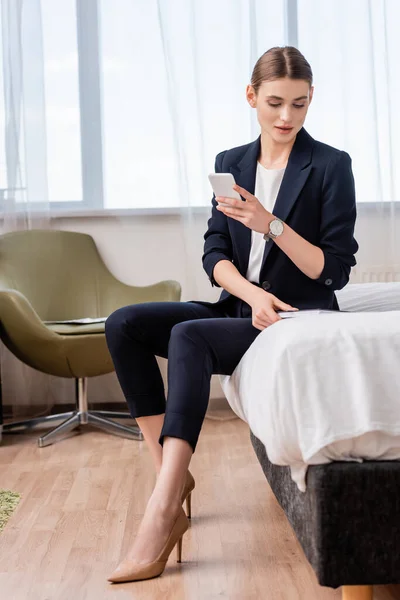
point(276, 227)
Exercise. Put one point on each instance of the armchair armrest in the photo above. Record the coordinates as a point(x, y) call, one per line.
point(21, 327)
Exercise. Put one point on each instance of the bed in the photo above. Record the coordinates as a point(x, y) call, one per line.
point(320, 393)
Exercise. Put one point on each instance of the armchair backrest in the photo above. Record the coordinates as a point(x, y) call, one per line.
point(61, 273)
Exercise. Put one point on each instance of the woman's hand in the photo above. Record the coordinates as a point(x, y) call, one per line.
point(264, 306)
point(251, 213)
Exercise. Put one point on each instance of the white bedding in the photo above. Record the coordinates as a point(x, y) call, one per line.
point(323, 387)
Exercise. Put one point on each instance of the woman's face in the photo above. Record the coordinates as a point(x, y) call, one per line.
point(281, 106)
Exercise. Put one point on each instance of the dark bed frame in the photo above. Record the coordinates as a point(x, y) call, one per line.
point(347, 521)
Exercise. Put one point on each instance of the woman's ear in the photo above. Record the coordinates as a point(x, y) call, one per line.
point(251, 96)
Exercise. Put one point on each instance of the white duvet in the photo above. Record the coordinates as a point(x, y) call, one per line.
point(323, 387)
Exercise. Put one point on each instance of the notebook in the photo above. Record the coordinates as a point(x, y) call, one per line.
point(306, 312)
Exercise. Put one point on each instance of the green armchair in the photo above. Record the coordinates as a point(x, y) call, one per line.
point(49, 275)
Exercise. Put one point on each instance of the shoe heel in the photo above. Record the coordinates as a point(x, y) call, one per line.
point(189, 505)
point(179, 550)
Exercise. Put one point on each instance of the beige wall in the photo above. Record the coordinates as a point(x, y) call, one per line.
point(141, 250)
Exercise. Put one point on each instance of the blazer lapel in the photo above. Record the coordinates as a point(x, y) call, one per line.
point(296, 174)
point(245, 176)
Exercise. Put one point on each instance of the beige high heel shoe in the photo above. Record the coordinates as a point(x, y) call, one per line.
point(187, 493)
point(128, 570)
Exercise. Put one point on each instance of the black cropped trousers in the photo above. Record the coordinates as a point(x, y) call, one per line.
point(197, 339)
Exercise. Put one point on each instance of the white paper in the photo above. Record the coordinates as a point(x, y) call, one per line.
point(83, 321)
point(289, 314)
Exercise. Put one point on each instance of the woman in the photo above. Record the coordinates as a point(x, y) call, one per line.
point(288, 246)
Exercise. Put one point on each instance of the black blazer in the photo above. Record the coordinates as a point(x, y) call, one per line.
point(316, 199)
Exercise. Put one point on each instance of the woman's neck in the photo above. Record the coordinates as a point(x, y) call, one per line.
point(272, 154)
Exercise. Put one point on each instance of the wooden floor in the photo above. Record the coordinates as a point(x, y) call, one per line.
point(82, 502)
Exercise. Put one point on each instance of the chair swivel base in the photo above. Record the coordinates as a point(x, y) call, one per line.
point(80, 416)
point(90, 418)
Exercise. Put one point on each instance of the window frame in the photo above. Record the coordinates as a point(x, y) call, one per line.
point(90, 112)
point(91, 127)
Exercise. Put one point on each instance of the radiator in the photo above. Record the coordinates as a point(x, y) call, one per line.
point(375, 273)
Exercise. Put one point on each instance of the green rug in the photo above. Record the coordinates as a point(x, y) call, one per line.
point(8, 503)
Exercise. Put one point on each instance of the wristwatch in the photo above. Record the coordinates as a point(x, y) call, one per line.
point(275, 229)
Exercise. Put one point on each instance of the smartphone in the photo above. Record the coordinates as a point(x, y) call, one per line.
point(222, 184)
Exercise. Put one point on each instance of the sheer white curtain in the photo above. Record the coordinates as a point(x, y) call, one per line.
point(23, 166)
point(24, 200)
point(170, 91)
point(353, 48)
point(184, 101)
point(109, 106)
point(209, 49)
point(173, 89)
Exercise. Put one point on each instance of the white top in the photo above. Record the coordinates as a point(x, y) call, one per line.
point(268, 182)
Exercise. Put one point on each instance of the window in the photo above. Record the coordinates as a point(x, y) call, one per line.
point(61, 88)
point(140, 95)
point(353, 49)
